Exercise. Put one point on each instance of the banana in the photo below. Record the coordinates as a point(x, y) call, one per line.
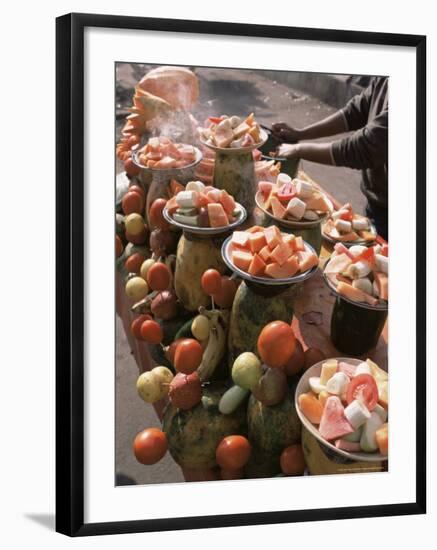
point(216, 346)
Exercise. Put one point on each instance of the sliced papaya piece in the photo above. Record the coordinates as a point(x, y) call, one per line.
point(311, 407)
point(242, 259)
point(257, 241)
point(257, 266)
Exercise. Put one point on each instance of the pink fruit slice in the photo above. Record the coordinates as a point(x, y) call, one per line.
point(334, 424)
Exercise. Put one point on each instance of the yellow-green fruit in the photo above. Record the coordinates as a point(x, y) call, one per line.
point(164, 377)
point(134, 224)
point(145, 266)
point(200, 327)
point(136, 288)
point(149, 387)
point(246, 370)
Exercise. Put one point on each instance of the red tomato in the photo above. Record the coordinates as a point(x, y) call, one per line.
point(132, 203)
point(158, 276)
point(225, 297)
point(134, 262)
point(276, 344)
point(135, 326)
point(364, 388)
point(188, 356)
point(171, 350)
point(211, 282)
point(156, 217)
point(347, 216)
point(131, 168)
point(150, 446)
point(233, 452)
point(151, 332)
point(118, 246)
point(292, 461)
point(215, 119)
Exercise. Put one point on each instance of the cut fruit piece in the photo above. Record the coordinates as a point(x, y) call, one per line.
point(240, 238)
point(348, 446)
point(334, 424)
point(348, 369)
point(265, 187)
point(240, 130)
point(381, 280)
point(381, 437)
point(285, 271)
point(278, 210)
point(281, 253)
point(264, 253)
point(257, 266)
point(298, 244)
point(355, 294)
point(368, 438)
point(217, 215)
point(273, 236)
point(329, 368)
point(172, 205)
point(242, 259)
point(257, 241)
point(227, 201)
point(323, 396)
point(310, 407)
point(307, 260)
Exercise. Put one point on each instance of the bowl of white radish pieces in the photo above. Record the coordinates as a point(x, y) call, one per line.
point(343, 403)
point(347, 227)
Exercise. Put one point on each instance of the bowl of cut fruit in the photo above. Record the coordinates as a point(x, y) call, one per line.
point(267, 256)
point(161, 154)
point(204, 210)
point(346, 226)
point(343, 403)
point(295, 203)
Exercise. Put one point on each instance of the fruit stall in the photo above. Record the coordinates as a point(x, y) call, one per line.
point(254, 303)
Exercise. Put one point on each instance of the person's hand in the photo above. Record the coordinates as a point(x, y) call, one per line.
point(288, 151)
point(284, 132)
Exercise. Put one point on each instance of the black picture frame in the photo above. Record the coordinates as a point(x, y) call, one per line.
point(70, 273)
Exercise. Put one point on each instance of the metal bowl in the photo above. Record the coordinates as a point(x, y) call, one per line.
point(293, 224)
point(226, 254)
point(206, 231)
point(199, 156)
point(235, 151)
point(303, 386)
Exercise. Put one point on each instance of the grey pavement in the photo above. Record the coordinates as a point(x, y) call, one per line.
point(222, 92)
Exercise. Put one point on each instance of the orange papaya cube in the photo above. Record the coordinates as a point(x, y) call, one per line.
point(227, 201)
point(311, 407)
point(268, 202)
point(240, 238)
point(278, 210)
point(242, 259)
point(281, 253)
point(298, 244)
point(257, 241)
point(323, 396)
point(264, 253)
point(257, 266)
point(307, 260)
point(284, 271)
point(381, 437)
point(255, 229)
point(273, 236)
point(217, 215)
point(172, 205)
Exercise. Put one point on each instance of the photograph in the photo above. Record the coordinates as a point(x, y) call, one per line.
point(251, 268)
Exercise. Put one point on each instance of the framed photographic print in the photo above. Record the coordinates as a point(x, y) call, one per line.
point(232, 201)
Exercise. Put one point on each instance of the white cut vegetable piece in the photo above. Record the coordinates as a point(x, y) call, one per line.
point(343, 226)
point(358, 270)
point(357, 249)
point(224, 124)
point(363, 368)
point(187, 199)
point(310, 215)
point(304, 189)
point(338, 263)
point(329, 368)
point(381, 412)
point(381, 263)
point(315, 384)
point(231, 399)
point(235, 121)
point(195, 186)
point(337, 383)
point(363, 284)
point(282, 179)
point(187, 220)
point(368, 439)
point(296, 208)
point(355, 436)
point(357, 413)
point(360, 224)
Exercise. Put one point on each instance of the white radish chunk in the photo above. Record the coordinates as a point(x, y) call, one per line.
point(343, 226)
point(381, 263)
point(311, 216)
point(381, 412)
point(368, 439)
point(337, 383)
point(356, 413)
point(360, 224)
point(358, 270)
point(315, 384)
point(187, 199)
point(282, 179)
point(357, 249)
point(363, 284)
point(235, 121)
point(197, 186)
point(363, 368)
point(296, 208)
point(304, 189)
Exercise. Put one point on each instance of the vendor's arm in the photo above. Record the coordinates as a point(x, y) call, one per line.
point(329, 126)
point(315, 152)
